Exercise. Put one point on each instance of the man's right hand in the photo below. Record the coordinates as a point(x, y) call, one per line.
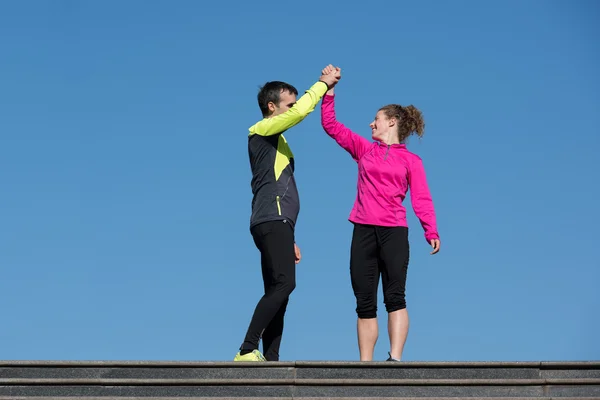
point(331, 76)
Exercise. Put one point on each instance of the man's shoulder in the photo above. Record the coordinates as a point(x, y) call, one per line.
point(260, 144)
point(270, 138)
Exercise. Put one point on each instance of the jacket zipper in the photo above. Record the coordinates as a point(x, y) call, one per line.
point(287, 185)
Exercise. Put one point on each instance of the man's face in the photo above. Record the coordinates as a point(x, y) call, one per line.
point(286, 101)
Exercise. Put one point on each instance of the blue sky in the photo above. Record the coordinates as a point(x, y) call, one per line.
point(126, 184)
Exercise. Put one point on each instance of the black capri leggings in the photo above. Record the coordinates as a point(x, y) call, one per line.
point(378, 250)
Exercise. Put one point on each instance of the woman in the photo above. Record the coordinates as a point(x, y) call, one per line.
point(386, 171)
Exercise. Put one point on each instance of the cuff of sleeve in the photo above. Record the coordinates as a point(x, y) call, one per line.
point(432, 236)
point(320, 88)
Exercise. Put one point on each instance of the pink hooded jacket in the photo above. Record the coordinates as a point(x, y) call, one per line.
point(385, 174)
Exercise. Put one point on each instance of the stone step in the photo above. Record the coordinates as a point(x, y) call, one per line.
point(297, 370)
point(301, 379)
point(288, 392)
point(287, 398)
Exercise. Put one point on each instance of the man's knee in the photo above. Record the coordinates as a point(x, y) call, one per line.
point(288, 287)
point(284, 288)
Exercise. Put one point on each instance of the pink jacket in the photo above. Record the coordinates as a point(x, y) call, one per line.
point(385, 173)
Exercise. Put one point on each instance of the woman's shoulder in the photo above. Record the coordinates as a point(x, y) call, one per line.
point(408, 154)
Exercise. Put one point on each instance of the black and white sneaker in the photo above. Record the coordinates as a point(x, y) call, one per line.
point(390, 357)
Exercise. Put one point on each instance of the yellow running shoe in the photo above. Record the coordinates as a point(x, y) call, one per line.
point(254, 356)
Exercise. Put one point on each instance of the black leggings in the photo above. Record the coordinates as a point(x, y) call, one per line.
point(275, 240)
point(378, 250)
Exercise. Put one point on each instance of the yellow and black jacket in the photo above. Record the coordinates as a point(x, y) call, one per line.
point(275, 196)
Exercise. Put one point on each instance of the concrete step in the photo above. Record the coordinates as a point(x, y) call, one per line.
point(302, 379)
point(292, 397)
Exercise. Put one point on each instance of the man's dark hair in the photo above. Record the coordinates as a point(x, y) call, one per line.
point(270, 93)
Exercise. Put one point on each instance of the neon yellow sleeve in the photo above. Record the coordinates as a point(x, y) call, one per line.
point(304, 106)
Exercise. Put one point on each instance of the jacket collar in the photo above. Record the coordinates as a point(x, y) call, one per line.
point(393, 146)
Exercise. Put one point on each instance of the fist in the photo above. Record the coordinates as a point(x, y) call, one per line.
point(331, 70)
point(298, 255)
point(331, 75)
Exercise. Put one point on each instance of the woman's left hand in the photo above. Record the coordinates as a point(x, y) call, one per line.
point(435, 243)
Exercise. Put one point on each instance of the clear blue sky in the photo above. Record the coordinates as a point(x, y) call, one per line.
point(125, 181)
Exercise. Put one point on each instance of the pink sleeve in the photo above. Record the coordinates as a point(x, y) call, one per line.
point(353, 143)
point(420, 197)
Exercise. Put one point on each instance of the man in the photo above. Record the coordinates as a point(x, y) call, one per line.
point(275, 207)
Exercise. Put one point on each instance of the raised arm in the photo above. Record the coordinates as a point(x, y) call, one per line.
point(304, 106)
point(421, 200)
point(352, 142)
